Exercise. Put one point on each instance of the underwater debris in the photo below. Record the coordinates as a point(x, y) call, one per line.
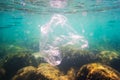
point(58, 33)
point(97, 71)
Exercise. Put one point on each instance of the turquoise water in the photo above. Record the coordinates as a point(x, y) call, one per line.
point(97, 20)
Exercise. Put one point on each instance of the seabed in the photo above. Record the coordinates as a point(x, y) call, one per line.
point(76, 65)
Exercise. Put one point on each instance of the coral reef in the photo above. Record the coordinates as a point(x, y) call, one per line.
point(97, 71)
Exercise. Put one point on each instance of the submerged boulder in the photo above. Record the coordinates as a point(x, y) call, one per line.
point(50, 72)
point(107, 56)
point(25, 73)
point(75, 58)
point(97, 71)
point(6, 49)
point(13, 62)
point(2, 73)
point(115, 63)
point(43, 72)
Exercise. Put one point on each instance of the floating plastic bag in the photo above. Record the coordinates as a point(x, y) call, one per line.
point(55, 34)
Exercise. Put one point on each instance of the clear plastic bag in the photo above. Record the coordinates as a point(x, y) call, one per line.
point(55, 34)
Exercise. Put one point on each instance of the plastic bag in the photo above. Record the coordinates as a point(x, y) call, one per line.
point(55, 34)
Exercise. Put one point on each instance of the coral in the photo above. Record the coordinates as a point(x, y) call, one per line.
point(97, 71)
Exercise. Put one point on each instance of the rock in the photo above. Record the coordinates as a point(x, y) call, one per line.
point(49, 71)
point(12, 49)
point(2, 73)
point(71, 74)
point(43, 72)
point(13, 62)
point(97, 71)
point(107, 56)
point(75, 58)
point(25, 73)
point(115, 63)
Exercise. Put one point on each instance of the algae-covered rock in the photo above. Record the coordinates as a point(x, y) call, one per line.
point(71, 74)
point(97, 71)
point(10, 49)
point(25, 73)
point(115, 63)
point(107, 56)
point(13, 62)
point(50, 72)
point(43, 72)
point(2, 73)
point(75, 58)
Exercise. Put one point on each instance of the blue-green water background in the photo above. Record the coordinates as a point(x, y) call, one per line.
point(20, 24)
